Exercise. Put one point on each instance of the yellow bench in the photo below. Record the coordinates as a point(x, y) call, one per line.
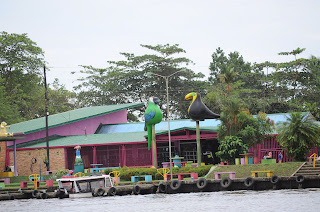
point(255, 173)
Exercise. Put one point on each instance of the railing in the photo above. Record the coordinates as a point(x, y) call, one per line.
point(315, 156)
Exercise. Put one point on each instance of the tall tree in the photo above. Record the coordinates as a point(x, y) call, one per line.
point(21, 81)
point(20, 63)
point(241, 79)
point(127, 80)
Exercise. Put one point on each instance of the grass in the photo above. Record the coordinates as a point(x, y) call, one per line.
point(244, 171)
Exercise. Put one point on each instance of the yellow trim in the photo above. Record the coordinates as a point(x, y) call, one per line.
point(315, 156)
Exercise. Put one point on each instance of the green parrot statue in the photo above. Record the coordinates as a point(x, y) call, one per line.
point(152, 116)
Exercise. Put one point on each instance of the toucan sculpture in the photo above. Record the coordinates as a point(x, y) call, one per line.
point(152, 116)
point(198, 110)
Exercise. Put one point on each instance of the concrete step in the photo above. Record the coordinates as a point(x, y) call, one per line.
point(310, 168)
point(305, 174)
point(311, 164)
point(309, 171)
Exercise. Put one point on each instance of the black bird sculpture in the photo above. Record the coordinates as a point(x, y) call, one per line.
point(198, 111)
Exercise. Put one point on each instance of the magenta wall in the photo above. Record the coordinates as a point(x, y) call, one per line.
point(78, 128)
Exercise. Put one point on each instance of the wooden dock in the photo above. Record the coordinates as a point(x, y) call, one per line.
point(181, 186)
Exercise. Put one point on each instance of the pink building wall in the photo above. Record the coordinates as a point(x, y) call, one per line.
point(88, 126)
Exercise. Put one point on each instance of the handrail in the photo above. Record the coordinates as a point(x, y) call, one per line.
point(116, 175)
point(315, 156)
point(35, 178)
point(79, 174)
point(163, 172)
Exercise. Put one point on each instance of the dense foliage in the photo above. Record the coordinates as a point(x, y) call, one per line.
point(298, 135)
point(21, 81)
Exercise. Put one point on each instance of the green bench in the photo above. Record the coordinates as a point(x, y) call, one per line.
point(268, 161)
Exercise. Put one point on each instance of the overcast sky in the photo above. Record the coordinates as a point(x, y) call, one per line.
point(83, 32)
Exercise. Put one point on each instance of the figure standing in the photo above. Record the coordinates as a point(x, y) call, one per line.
point(280, 157)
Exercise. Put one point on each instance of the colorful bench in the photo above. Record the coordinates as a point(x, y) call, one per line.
point(232, 175)
point(24, 184)
point(255, 173)
point(147, 178)
point(5, 180)
point(180, 175)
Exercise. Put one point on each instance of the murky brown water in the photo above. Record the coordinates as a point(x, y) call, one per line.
point(272, 200)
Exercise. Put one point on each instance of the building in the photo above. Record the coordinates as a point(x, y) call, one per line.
point(106, 138)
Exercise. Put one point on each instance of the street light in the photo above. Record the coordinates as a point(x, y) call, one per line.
point(168, 117)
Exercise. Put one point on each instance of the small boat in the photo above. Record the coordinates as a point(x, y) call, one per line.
point(87, 186)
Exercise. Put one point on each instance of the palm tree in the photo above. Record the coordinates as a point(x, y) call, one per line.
point(299, 134)
point(229, 116)
point(228, 76)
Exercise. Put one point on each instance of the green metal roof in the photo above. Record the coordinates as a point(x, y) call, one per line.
point(92, 139)
point(68, 117)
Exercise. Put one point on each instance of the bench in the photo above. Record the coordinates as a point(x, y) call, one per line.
point(232, 175)
point(24, 184)
point(255, 173)
point(268, 161)
point(147, 178)
point(180, 175)
point(95, 170)
point(49, 172)
point(5, 180)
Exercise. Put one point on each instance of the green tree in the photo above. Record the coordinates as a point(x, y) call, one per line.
point(21, 81)
point(299, 134)
point(20, 63)
point(127, 80)
point(230, 148)
point(241, 79)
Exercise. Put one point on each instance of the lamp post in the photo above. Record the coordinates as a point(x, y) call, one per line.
point(168, 117)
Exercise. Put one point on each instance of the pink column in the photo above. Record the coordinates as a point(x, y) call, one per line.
point(94, 155)
point(65, 158)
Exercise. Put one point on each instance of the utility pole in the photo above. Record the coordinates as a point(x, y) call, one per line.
point(46, 115)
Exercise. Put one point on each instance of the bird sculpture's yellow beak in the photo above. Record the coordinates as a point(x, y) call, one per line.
point(188, 97)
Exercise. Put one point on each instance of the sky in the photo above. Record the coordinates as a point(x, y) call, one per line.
point(83, 32)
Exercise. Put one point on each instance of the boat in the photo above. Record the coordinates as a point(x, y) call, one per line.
point(86, 186)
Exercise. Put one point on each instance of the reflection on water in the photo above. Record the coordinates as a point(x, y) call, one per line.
point(271, 200)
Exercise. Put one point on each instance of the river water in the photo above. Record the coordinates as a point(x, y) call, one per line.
point(271, 200)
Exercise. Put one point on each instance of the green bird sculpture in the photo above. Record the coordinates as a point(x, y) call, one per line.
point(152, 116)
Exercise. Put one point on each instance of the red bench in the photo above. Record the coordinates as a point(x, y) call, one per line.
point(24, 184)
point(180, 175)
point(232, 175)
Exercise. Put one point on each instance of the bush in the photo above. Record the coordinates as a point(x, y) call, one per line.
point(59, 173)
point(230, 148)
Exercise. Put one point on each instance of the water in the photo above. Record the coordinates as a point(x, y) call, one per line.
point(271, 200)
